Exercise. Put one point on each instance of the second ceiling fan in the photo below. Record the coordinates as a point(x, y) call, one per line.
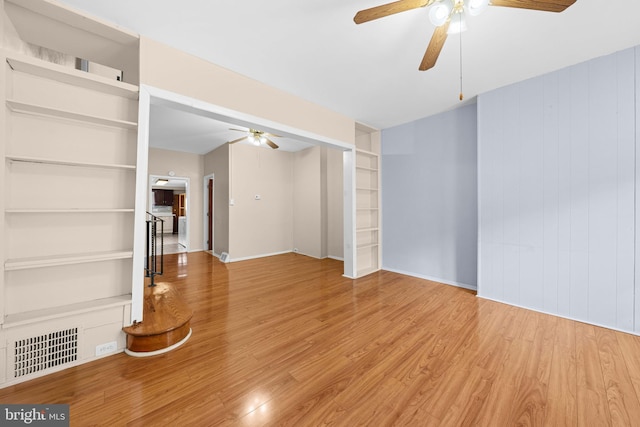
point(256, 137)
point(448, 16)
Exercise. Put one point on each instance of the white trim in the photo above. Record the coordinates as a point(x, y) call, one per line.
point(246, 258)
point(191, 105)
point(560, 315)
point(142, 168)
point(238, 118)
point(157, 352)
point(337, 258)
point(432, 279)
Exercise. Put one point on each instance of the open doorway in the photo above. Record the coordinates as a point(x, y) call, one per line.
point(169, 200)
point(208, 214)
point(152, 98)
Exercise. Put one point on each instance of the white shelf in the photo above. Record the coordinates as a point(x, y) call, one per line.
point(362, 230)
point(71, 76)
point(367, 209)
point(367, 245)
point(367, 168)
point(79, 210)
point(69, 259)
point(366, 189)
point(366, 153)
point(28, 159)
point(40, 110)
point(20, 319)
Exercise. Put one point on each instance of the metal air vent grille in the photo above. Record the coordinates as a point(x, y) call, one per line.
point(46, 351)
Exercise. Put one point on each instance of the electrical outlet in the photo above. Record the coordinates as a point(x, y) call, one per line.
point(106, 348)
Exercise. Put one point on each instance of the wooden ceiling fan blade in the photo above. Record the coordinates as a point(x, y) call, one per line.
point(238, 130)
point(377, 12)
point(543, 5)
point(237, 140)
point(271, 144)
point(435, 46)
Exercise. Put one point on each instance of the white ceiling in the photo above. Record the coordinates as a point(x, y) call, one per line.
point(369, 72)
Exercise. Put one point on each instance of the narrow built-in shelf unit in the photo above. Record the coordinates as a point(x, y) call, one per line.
point(367, 186)
point(70, 165)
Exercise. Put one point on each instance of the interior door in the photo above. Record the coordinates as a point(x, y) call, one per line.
point(210, 215)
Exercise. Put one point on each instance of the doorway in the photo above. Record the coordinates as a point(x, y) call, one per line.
point(149, 95)
point(208, 216)
point(169, 200)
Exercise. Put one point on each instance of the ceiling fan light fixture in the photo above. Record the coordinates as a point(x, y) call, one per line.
point(263, 139)
point(476, 7)
point(458, 24)
point(439, 13)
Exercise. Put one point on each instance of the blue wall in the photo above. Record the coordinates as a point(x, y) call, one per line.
point(558, 192)
point(429, 198)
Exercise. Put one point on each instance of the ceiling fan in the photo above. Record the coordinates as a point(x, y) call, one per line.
point(448, 16)
point(256, 137)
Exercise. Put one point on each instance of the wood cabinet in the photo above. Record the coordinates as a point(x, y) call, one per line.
point(163, 197)
point(179, 204)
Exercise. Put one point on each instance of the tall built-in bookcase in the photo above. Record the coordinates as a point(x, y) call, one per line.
point(69, 144)
point(367, 187)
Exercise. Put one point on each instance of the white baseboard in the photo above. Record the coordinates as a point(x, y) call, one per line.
point(231, 259)
point(337, 258)
point(433, 279)
point(561, 316)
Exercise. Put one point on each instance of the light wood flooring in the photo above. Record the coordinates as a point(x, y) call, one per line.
point(287, 340)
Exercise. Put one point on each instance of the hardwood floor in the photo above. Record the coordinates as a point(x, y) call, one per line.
point(287, 340)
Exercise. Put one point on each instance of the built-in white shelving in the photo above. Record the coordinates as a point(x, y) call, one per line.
point(367, 185)
point(69, 164)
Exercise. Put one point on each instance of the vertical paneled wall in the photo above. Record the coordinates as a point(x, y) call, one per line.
point(557, 192)
point(429, 198)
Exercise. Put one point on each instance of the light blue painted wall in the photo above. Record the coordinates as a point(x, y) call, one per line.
point(429, 197)
point(558, 191)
